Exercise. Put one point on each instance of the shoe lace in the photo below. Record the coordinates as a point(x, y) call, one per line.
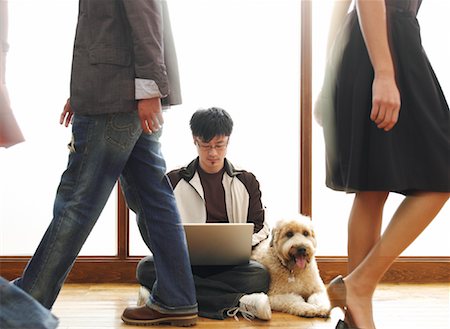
point(232, 312)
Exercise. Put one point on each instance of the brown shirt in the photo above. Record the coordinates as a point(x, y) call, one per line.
point(214, 196)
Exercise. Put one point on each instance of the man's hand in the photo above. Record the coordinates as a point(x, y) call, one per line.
point(66, 115)
point(150, 114)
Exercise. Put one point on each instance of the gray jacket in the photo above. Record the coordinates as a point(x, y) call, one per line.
point(116, 42)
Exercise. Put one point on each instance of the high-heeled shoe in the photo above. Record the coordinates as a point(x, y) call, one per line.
point(337, 294)
point(341, 325)
point(344, 325)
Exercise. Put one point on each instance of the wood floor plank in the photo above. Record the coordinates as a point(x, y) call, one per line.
point(397, 306)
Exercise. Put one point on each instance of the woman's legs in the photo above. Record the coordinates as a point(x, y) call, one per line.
point(364, 225)
point(411, 218)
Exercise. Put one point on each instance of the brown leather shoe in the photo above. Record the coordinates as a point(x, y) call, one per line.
point(145, 316)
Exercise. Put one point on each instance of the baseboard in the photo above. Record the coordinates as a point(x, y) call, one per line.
point(404, 269)
point(113, 270)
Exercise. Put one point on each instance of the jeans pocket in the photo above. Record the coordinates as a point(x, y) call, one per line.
point(123, 129)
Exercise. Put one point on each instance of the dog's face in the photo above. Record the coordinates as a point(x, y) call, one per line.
point(294, 242)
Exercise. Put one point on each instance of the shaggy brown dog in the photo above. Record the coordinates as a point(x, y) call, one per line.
point(296, 286)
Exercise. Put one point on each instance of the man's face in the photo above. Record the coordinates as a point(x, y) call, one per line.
point(212, 154)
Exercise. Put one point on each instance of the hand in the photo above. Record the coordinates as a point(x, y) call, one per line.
point(385, 102)
point(66, 115)
point(150, 114)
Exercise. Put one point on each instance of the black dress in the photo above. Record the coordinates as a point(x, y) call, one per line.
point(415, 154)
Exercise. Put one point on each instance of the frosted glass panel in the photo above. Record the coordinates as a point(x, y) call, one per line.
point(250, 67)
point(330, 208)
point(243, 56)
point(41, 37)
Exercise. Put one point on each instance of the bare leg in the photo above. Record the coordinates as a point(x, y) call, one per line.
point(364, 225)
point(411, 218)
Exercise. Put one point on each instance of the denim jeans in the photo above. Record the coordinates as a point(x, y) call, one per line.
point(218, 288)
point(105, 148)
point(18, 310)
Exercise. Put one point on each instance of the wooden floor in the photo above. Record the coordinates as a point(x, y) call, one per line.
point(409, 306)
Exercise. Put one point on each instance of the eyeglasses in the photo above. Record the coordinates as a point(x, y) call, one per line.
point(207, 147)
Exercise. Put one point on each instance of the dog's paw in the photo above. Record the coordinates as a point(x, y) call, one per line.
point(323, 313)
point(321, 304)
point(314, 311)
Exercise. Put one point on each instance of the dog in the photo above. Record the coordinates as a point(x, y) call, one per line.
point(296, 286)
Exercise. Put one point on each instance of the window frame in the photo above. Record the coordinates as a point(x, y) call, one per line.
point(122, 267)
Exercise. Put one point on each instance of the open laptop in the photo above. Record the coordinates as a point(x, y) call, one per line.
point(219, 243)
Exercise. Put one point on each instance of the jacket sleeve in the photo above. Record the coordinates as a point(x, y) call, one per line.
point(146, 23)
point(174, 177)
point(256, 212)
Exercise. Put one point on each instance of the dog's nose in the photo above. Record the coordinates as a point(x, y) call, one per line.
point(301, 251)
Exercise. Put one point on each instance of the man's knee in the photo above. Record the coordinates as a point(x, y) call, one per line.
point(260, 276)
point(145, 271)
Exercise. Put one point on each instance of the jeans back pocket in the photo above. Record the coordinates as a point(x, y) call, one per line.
point(123, 129)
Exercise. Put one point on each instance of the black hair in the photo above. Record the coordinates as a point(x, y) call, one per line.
point(206, 124)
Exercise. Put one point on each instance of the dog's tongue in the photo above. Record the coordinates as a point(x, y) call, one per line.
point(300, 261)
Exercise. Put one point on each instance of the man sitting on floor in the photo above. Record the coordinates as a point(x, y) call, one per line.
point(206, 190)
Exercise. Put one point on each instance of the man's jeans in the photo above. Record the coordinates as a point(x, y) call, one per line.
point(103, 148)
point(18, 310)
point(218, 288)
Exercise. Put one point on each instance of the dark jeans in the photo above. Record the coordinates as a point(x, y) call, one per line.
point(104, 148)
point(18, 310)
point(218, 288)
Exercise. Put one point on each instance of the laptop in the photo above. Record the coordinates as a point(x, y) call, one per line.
point(219, 243)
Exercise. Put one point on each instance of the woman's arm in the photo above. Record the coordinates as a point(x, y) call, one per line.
point(3, 37)
point(3, 21)
point(340, 9)
point(385, 94)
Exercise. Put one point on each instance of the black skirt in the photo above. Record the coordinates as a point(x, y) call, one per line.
point(415, 154)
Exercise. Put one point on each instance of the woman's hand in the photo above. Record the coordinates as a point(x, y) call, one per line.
point(385, 102)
